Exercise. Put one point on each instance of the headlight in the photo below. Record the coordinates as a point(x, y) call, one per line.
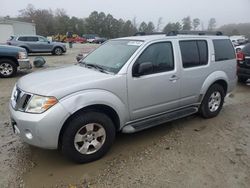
point(39, 104)
point(22, 55)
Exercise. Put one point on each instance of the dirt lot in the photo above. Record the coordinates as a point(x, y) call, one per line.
point(191, 152)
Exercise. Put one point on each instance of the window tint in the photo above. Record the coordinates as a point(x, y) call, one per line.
point(194, 53)
point(22, 38)
point(160, 55)
point(32, 39)
point(223, 49)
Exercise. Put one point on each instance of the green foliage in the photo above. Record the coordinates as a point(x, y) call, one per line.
point(211, 24)
point(50, 22)
point(186, 23)
point(172, 27)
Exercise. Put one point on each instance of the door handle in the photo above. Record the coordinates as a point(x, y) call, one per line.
point(173, 78)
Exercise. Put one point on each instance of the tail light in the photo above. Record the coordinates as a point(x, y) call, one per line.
point(240, 56)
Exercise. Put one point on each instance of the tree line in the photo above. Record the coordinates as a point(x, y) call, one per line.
point(49, 22)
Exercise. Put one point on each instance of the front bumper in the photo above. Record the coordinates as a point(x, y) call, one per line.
point(24, 64)
point(41, 130)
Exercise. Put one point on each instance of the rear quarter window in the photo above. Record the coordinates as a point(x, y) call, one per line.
point(223, 49)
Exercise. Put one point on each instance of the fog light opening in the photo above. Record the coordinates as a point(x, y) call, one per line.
point(28, 134)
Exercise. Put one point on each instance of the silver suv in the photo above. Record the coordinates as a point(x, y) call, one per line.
point(37, 44)
point(127, 84)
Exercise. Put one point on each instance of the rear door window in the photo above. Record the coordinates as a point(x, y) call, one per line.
point(22, 38)
point(223, 49)
point(32, 39)
point(194, 53)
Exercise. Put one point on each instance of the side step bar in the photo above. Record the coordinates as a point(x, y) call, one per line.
point(156, 120)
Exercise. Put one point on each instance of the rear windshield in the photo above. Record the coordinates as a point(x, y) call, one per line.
point(246, 49)
point(223, 49)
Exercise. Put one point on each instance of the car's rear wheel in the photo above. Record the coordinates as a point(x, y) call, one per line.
point(57, 51)
point(88, 137)
point(8, 68)
point(212, 101)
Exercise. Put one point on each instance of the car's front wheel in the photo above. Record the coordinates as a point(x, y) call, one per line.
point(88, 137)
point(212, 101)
point(8, 68)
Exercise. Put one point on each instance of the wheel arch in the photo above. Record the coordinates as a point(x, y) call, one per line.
point(107, 110)
point(10, 58)
point(218, 77)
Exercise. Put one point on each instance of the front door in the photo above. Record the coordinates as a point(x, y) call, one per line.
point(157, 90)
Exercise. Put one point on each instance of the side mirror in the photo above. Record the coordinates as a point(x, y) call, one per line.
point(143, 69)
point(48, 42)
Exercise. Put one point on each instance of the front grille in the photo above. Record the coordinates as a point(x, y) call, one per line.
point(20, 100)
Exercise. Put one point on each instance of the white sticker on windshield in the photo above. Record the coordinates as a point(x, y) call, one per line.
point(135, 43)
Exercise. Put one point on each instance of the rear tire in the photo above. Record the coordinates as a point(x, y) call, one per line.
point(57, 51)
point(88, 137)
point(212, 102)
point(8, 68)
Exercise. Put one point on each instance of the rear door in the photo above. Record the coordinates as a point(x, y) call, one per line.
point(31, 41)
point(195, 58)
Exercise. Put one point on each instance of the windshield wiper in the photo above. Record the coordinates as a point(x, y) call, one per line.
point(95, 66)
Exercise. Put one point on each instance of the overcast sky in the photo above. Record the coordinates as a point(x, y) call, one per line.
point(225, 11)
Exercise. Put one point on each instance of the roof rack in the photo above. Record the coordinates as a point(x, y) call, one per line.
point(174, 33)
point(144, 33)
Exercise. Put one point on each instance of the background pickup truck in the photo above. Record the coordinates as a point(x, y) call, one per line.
point(11, 59)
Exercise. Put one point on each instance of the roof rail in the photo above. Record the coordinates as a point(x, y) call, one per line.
point(144, 33)
point(174, 33)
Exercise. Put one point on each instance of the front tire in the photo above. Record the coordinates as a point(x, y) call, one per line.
point(88, 137)
point(8, 68)
point(212, 101)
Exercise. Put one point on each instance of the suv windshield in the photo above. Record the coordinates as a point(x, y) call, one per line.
point(112, 55)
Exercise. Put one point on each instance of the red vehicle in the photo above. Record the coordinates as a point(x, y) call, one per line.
point(77, 40)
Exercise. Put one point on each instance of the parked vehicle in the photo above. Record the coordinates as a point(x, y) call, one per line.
point(128, 85)
point(238, 48)
point(238, 40)
point(37, 44)
point(243, 62)
point(90, 37)
point(11, 59)
point(99, 40)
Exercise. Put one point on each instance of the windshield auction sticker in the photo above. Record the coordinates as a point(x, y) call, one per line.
point(135, 43)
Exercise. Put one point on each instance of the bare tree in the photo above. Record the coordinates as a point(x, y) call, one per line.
point(159, 24)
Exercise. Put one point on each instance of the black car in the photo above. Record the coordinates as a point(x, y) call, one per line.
point(11, 59)
point(243, 62)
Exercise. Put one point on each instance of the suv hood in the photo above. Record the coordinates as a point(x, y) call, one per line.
point(63, 81)
point(11, 48)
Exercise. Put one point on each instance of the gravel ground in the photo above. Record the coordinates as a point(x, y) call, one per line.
point(190, 152)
